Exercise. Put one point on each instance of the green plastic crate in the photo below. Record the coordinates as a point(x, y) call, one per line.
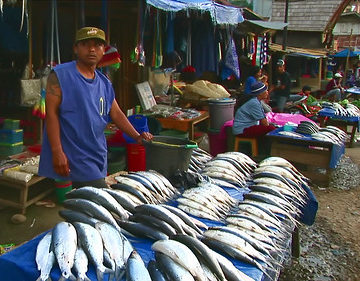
point(11, 124)
point(7, 149)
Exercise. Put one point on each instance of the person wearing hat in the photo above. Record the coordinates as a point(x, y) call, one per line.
point(80, 101)
point(280, 92)
point(334, 90)
point(250, 120)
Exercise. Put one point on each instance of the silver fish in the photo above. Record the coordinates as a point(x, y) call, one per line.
point(64, 244)
point(171, 269)
point(135, 269)
point(91, 241)
point(45, 258)
point(81, 265)
point(182, 255)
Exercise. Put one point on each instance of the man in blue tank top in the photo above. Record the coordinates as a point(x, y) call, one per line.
point(80, 101)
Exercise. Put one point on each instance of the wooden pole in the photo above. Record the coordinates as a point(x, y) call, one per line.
point(347, 57)
point(285, 31)
point(30, 39)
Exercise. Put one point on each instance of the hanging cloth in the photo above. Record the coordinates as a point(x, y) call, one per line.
point(138, 54)
point(104, 16)
point(157, 44)
point(264, 52)
point(253, 54)
point(169, 34)
point(231, 63)
point(258, 50)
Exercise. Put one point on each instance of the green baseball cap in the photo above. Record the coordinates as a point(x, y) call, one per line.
point(90, 33)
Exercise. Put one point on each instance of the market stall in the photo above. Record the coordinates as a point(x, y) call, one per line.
point(21, 263)
point(310, 154)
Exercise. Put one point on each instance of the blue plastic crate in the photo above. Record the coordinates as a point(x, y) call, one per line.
point(11, 136)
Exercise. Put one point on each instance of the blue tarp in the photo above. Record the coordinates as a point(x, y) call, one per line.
point(220, 14)
point(344, 53)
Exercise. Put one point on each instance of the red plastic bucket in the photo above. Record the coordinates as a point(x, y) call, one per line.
point(136, 160)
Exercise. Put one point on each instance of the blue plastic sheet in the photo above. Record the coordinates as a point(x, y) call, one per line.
point(219, 13)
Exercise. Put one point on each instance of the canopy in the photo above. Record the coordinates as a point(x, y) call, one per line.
point(344, 53)
point(219, 13)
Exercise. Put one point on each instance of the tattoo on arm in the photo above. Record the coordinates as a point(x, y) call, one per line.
point(53, 85)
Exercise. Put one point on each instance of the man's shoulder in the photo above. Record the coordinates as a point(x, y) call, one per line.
point(64, 65)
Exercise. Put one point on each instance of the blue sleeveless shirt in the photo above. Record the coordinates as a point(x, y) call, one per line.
point(83, 115)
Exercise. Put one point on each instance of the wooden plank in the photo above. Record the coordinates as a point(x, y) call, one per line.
point(302, 154)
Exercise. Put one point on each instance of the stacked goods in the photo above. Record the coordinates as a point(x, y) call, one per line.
point(11, 138)
point(206, 89)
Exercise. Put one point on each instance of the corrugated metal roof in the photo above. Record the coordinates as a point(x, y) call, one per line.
point(315, 53)
point(309, 15)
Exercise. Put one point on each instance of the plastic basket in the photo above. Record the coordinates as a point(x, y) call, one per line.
point(168, 154)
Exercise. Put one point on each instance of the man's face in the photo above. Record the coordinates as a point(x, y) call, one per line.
point(281, 68)
point(89, 51)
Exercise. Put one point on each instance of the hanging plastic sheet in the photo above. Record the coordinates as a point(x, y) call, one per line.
point(219, 13)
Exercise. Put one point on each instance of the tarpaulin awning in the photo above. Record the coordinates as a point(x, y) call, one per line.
point(294, 51)
point(219, 13)
point(344, 53)
point(260, 26)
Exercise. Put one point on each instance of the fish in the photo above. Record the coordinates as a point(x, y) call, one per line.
point(259, 213)
point(64, 245)
point(182, 255)
point(46, 268)
point(42, 249)
point(81, 265)
point(91, 209)
point(114, 243)
point(171, 269)
point(163, 214)
point(233, 252)
point(152, 197)
point(192, 222)
point(100, 196)
point(154, 271)
point(230, 271)
point(236, 242)
point(132, 190)
point(91, 242)
point(135, 269)
point(74, 216)
point(198, 208)
point(154, 223)
point(202, 252)
point(44, 257)
point(122, 199)
point(200, 204)
point(142, 230)
point(197, 212)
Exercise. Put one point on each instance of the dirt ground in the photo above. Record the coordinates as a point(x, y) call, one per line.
point(330, 248)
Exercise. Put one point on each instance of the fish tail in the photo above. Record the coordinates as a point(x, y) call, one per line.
point(99, 275)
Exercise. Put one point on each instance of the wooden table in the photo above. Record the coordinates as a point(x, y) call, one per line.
point(185, 125)
point(307, 154)
point(23, 188)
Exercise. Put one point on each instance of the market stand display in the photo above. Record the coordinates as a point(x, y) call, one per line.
point(22, 266)
point(310, 153)
point(327, 116)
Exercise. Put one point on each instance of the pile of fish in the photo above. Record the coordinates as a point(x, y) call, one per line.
point(146, 186)
point(72, 246)
point(349, 110)
point(207, 201)
point(307, 128)
point(198, 159)
point(159, 222)
point(187, 258)
point(234, 168)
point(265, 218)
point(327, 134)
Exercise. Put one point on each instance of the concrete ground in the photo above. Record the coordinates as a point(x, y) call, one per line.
point(44, 217)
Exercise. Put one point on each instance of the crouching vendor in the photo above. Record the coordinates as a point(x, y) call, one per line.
point(250, 120)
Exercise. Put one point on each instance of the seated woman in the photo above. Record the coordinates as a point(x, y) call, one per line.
point(250, 120)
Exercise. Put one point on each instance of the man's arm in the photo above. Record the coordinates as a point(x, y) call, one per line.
point(121, 121)
point(53, 101)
